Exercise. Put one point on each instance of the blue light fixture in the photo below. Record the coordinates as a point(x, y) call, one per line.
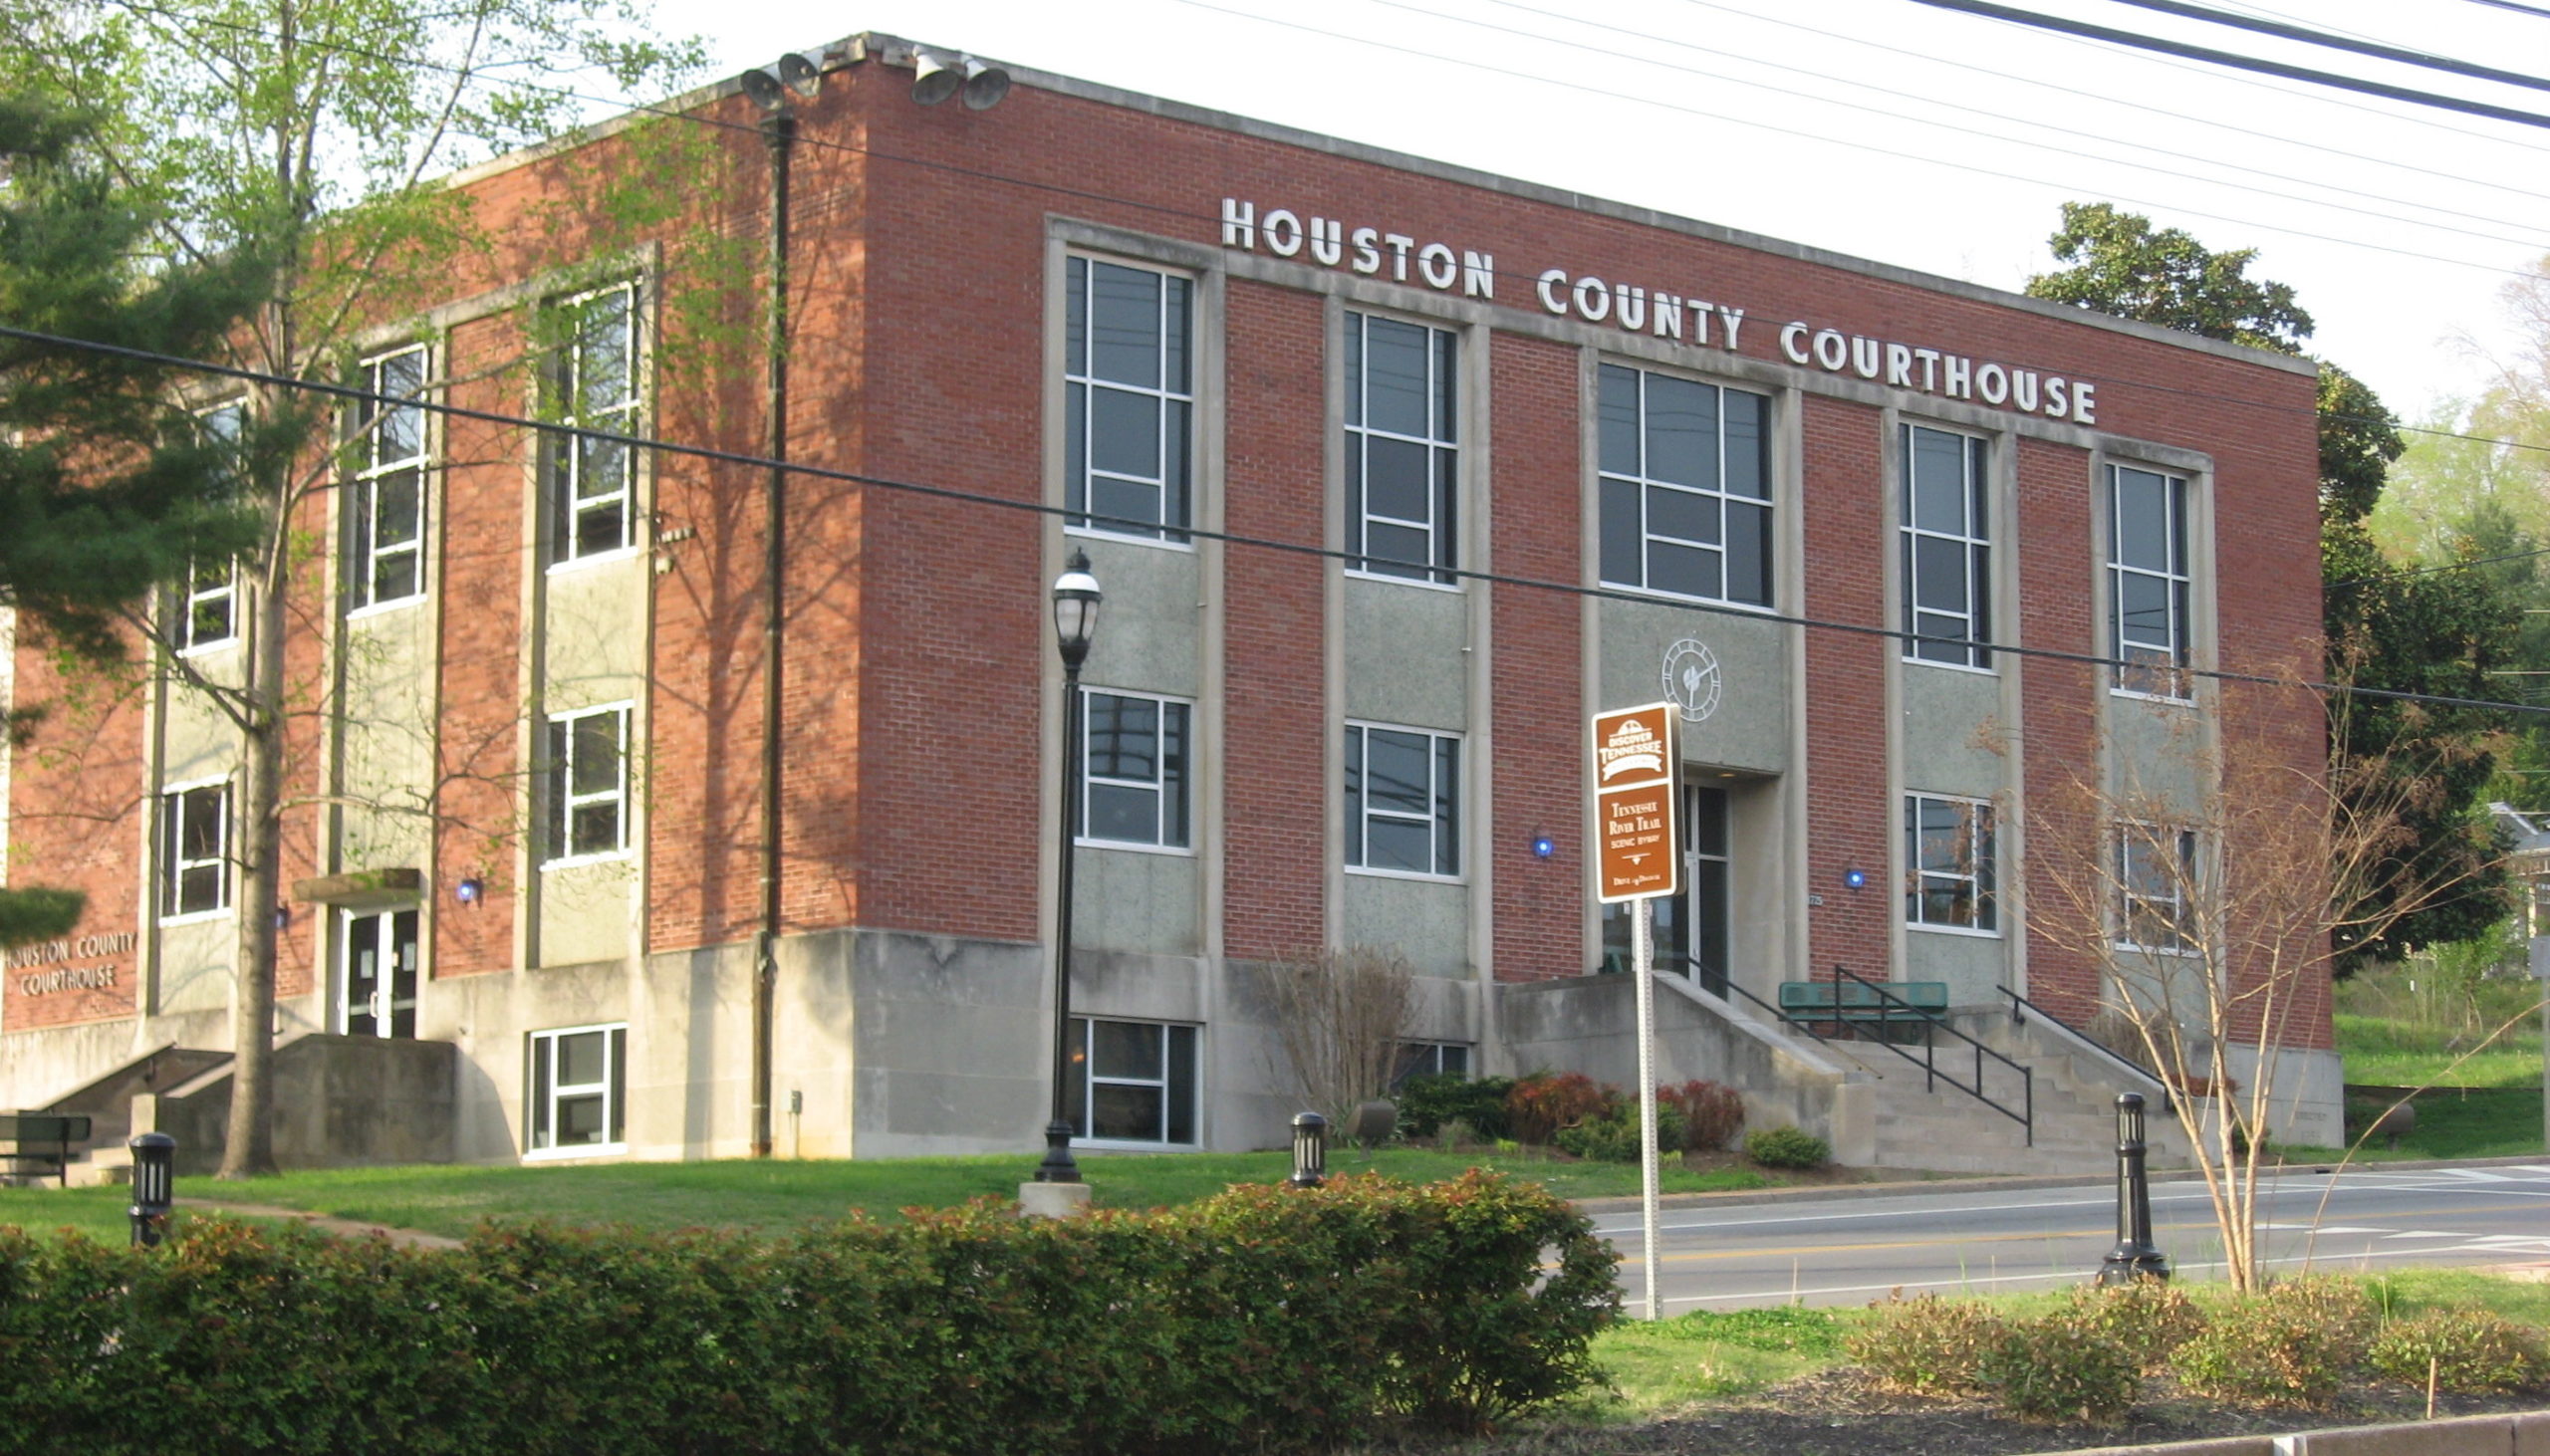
point(1855, 879)
point(1543, 846)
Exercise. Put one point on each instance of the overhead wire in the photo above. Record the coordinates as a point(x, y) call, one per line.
point(808, 139)
point(351, 393)
point(1956, 127)
point(2329, 40)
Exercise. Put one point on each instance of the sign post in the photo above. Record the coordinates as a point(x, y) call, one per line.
point(1638, 793)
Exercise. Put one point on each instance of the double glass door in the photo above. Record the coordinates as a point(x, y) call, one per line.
point(1692, 928)
point(377, 990)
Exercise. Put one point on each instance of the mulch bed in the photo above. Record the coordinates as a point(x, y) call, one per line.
point(1842, 1413)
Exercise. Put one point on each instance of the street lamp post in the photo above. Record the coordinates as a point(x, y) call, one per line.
point(1075, 598)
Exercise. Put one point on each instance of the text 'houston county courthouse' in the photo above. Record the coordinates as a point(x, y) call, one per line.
point(1392, 474)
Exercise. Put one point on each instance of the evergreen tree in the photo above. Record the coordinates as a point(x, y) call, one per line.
point(106, 490)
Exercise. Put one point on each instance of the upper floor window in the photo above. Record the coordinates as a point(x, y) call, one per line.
point(1128, 398)
point(2148, 580)
point(1403, 800)
point(1947, 592)
point(2155, 882)
point(594, 387)
point(1948, 862)
point(210, 615)
point(195, 850)
point(1133, 755)
point(1402, 448)
point(587, 784)
point(1685, 487)
point(385, 550)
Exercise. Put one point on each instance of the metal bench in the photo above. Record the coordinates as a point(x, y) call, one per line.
point(38, 1141)
point(1858, 1001)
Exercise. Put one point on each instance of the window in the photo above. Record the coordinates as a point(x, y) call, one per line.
point(1692, 928)
point(2154, 892)
point(210, 615)
point(1133, 756)
point(587, 784)
point(2148, 580)
point(594, 386)
point(1428, 1059)
point(1402, 457)
point(386, 556)
point(1403, 800)
point(1128, 396)
point(195, 850)
point(1685, 488)
point(577, 1090)
point(1131, 1082)
point(1947, 594)
point(1947, 863)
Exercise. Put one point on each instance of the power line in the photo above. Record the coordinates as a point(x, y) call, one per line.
point(2138, 41)
point(1954, 127)
point(2427, 571)
point(2309, 36)
point(2532, 9)
point(354, 394)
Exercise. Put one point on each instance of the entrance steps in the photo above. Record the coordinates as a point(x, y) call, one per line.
point(1940, 1128)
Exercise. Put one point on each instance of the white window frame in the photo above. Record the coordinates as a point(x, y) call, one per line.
point(540, 1110)
point(2178, 580)
point(2136, 840)
point(1086, 1082)
point(562, 801)
point(563, 478)
point(1161, 842)
point(1444, 408)
point(373, 469)
point(1978, 848)
point(1969, 650)
point(1445, 821)
point(1426, 1058)
point(206, 588)
point(1082, 387)
point(1718, 498)
point(174, 865)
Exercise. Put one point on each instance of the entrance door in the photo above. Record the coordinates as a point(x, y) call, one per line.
point(1691, 928)
point(378, 987)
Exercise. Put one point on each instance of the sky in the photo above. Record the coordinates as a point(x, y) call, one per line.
point(1886, 129)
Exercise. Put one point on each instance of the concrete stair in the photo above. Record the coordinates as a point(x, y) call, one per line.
point(1943, 1129)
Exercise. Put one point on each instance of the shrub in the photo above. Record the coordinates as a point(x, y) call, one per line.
point(2145, 1319)
point(1427, 1102)
point(2290, 1346)
point(2343, 1310)
point(2061, 1368)
point(1612, 1135)
point(1712, 1113)
point(2468, 1351)
point(1927, 1346)
point(1786, 1147)
point(1540, 1104)
point(1265, 1319)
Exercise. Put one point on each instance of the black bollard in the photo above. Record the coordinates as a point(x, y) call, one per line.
point(2133, 1257)
point(154, 1186)
point(1310, 1150)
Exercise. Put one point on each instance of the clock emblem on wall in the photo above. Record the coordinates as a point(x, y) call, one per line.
point(1691, 678)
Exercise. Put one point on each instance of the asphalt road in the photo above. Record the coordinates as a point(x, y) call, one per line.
point(1851, 1248)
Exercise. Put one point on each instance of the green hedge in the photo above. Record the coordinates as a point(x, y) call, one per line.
point(1262, 1319)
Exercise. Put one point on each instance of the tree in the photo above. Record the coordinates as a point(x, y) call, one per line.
point(308, 131)
point(1338, 1016)
point(2212, 893)
point(2440, 634)
point(104, 490)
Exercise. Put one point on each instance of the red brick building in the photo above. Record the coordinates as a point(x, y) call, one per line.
point(1392, 474)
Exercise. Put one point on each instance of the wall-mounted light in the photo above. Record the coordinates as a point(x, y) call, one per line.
point(283, 917)
point(1543, 846)
point(470, 890)
point(1855, 879)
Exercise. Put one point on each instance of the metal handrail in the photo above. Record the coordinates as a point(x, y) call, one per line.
point(1929, 1059)
point(2020, 1004)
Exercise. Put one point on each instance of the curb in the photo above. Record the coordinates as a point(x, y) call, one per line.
point(2521, 1433)
point(1908, 1182)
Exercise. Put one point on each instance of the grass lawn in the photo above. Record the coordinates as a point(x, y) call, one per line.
point(2383, 1052)
point(780, 1195)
